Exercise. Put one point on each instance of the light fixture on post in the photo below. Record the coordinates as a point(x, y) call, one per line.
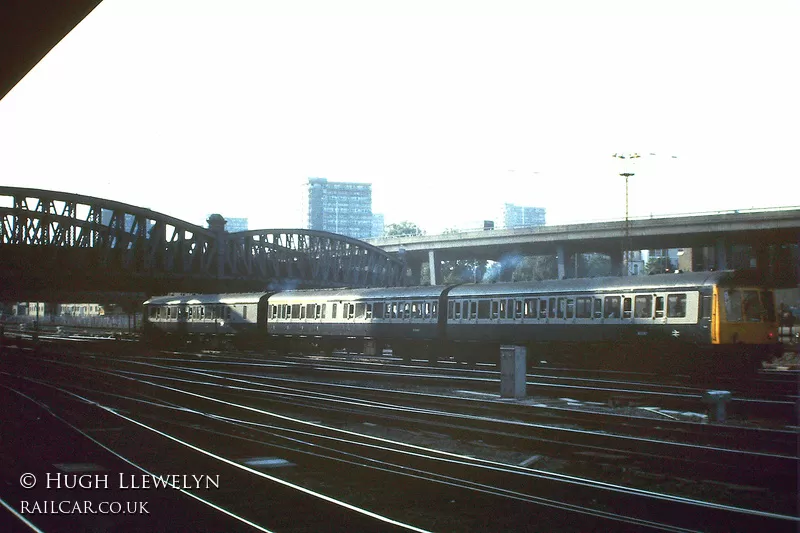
point(626, 244)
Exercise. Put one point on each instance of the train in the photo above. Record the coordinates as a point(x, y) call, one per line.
point(698, 321)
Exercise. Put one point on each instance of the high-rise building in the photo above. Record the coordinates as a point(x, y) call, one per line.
point(515, 216)
point(339, 207)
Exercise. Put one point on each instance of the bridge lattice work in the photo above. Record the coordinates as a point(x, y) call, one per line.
point(62, 241)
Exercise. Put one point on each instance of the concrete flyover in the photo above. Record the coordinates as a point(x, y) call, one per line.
point(717, 232)
point(58, 243)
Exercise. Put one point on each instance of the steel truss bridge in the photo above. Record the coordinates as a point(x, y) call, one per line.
point(57, 242)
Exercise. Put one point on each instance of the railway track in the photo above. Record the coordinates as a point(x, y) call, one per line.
point(165, 409)
point(323, 404)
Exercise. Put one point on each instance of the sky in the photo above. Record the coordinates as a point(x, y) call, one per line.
point(449, 108)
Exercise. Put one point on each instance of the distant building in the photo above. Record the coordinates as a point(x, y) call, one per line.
point(236, 224)
point(635, 263)
point(339, 207)
point(232, 225)
point(515, 216)
point(378, 225)
point(671, 254)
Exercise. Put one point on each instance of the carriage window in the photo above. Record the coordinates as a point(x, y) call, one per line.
point(484, 308)
point(551, 306)
point(562, 306)
point(473, 310)
point(531, 307)
point(769, 305)
point(676, 306)
point(317, 311)
point(751, 306)
point(203, 312)
point(643, 307)
point(360, 310)
point(427, 309)
point(323, 310)
point(244, 312)
point(705, 311)
point(659, 306)
point(334, 308)
point(611, 306)
point(570, 307)
point(434, 310)
point(583, 308)
point(388, 310)
point(368, 314)
point(495, 308)
point(190, 313)
point(273, 309)
point(626, 308)
point(169, 312)
point(303, 310)
point(310, 310)
point(378, 310)
point(598, 308)
point(542, 308)
point(518, 309)
point(406, 310)
point(451, 309)
point(416, 309)
point(733, 305)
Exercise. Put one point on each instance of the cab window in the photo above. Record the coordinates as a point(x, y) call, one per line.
point(733, 305)
point(752, 310)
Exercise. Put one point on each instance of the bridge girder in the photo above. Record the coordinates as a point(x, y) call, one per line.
point(66, 240)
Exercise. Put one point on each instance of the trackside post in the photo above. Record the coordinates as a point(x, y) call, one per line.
point(512, 371)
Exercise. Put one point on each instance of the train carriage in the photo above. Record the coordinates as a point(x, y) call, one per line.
point(366, 320)
point(649, 322)
point(238, 317)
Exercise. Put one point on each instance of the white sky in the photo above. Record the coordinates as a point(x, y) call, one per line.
point(447, 108)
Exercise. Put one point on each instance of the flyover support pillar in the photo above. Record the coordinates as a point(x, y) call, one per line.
point(560, 261)
point(722, 252)
point(616, 263)
point(435, 268)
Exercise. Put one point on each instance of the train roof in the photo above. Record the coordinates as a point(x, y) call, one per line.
point(682, 281)
point(192, 299)
point(430, 291)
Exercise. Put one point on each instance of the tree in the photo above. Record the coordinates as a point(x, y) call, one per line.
point(535, 268)
point(402, 229)
point(597, 265)
point(659, 265)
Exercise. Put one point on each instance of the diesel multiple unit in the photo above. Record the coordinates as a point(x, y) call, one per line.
point(723, 319)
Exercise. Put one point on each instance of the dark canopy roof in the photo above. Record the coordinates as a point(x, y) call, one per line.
point(29, 29)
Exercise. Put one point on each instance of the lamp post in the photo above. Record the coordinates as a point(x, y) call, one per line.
point(626, 244)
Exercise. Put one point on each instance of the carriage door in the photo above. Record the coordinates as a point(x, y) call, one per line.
point(660, 309)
